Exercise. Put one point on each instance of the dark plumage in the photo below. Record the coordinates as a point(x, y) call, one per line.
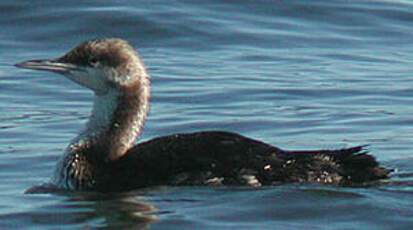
point(215, 157)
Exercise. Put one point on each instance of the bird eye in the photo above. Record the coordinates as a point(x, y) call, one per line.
point(93, 61)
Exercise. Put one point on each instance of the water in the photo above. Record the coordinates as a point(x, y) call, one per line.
point(296, 74)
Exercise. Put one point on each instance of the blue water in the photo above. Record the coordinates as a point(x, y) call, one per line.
point(297, 74)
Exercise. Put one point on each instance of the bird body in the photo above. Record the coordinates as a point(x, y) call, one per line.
point(104, 156)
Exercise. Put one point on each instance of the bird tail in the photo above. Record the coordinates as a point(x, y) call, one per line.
point(350, 166)
point(358, 166)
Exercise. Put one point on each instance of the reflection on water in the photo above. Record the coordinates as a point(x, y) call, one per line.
point(117, 211)
point(192, 207)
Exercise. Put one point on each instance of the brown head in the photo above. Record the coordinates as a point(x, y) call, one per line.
point(99, 64)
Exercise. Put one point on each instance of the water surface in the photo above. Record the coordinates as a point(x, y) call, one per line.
point(297, 74)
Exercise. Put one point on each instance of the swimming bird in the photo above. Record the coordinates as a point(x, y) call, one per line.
point(104, 157)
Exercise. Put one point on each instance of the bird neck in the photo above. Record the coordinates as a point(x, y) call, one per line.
point(116, 122)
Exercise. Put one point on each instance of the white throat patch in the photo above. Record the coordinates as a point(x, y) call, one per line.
point(103, 108)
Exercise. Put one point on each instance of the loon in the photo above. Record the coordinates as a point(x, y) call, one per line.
point(104, 157)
